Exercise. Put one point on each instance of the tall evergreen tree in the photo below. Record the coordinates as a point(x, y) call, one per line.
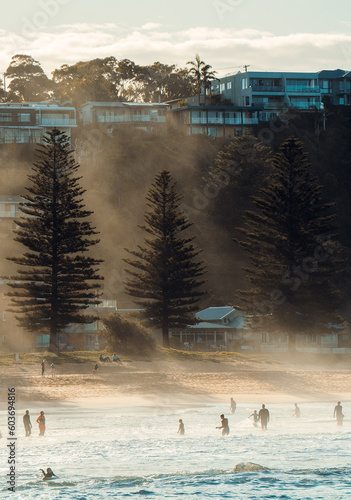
point(165, 278)
point(291, 241)
point(57, 279)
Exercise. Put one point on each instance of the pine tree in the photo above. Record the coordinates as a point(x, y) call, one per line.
point(291, 239)
point(57, 279)
point(165, 279)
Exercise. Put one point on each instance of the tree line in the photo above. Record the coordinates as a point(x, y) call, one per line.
point(288, 232)
point(104, 79)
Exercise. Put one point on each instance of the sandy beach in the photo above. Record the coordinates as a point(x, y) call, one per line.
point(173, 381)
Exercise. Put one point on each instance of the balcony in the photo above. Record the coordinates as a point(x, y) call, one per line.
point(267, 88)
point(58, 122)
point(307, 90)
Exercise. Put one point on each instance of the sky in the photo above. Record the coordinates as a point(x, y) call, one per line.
point(268, 35)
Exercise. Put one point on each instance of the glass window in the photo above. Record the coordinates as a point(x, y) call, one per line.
point(5, 117)
point(42, 340)
point(229, 85)
point(23, 117)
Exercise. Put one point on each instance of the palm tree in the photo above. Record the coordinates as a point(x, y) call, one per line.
point(202, 74)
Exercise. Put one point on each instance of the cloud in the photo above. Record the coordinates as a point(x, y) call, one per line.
point(222, 48)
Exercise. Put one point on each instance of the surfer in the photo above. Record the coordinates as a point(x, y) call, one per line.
point(41, 421)
point(232, 405)
point(224, 426)
point(48, 474)
point(263, 416)
point(255, 417)
point(297, 411)
point(181, 429)
point(27, 423)
point(338, 414)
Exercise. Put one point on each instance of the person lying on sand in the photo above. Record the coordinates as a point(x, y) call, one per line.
point(48, 474)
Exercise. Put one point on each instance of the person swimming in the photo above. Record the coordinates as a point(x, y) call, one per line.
point(224, 426)
point(181, 429)
point(48, 474)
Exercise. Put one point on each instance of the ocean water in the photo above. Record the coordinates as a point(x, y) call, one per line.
point(135, 452)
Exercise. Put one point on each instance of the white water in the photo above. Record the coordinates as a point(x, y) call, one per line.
point(136, 452)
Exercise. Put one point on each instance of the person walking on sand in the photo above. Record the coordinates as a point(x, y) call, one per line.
point(43, 368)
point(224, 426)
point(53, 371)
point(297, 411)
point(338, 414)
point(232, 405)
point(181, 429)
point(27, 423)
point(41, 421)
point(263, 416)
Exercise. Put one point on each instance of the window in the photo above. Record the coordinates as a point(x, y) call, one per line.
point(42, 340)
point(341, 101)
point(5, 117)
point(244, 83)
point(247, 101)
point(23, 117)
point(4, 339)
point(222, 87)
point(229, 85)
point(4, 316)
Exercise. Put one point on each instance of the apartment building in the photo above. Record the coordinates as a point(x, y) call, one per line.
point(111, 115)
point(27, 122)
point(215, 121)
point(272, 90)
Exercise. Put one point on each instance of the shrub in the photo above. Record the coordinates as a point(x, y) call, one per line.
point(126, 336)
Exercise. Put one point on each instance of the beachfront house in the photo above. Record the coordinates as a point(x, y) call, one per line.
point(217, 328)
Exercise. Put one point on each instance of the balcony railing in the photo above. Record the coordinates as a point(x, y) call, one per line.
point(267, 88)
point(57, 122)
point(8, 214)
point(310, 90)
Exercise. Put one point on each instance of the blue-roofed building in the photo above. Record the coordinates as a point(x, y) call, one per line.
point(218, 328)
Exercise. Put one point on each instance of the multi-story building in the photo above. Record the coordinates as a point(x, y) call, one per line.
point(27, 122)
point(335, 86)
point(216, 121)
point(272, 90)
point(110, 115)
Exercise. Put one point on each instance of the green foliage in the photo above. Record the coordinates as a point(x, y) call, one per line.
point(165, 277)
point(28, 81)
point(292, 244)
point(57, 280)
point(126, 336)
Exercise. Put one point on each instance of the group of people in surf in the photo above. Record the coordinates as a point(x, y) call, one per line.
point(28, 424)
point(262, 417)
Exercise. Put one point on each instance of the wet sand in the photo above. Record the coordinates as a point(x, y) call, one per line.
point(175, 382)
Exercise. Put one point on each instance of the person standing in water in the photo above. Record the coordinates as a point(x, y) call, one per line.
point(41, 421)
point(338, 414)
point(297, 411)
point(181, 429)
point(27, 424)
point(232, 405)
point(255, 417)
point(263, 416)
point(224, 426)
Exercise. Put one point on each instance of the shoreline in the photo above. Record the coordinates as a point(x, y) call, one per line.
point(173, 382)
